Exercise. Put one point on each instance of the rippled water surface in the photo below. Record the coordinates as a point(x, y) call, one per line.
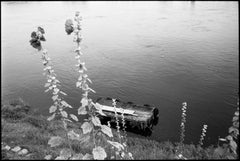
point(158, 53)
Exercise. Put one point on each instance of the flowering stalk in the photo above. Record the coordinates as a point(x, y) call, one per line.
point(117, 120)
point(122, 153)
point(112, 147)
point(52, 82)
point(83, 78)
point(93, 124)
point(183, 121)
point(204, 130)
point(124, 129)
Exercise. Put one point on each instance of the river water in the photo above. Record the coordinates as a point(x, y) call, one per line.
point(157, 53)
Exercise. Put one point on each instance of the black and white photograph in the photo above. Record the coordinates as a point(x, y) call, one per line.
point(119, 80)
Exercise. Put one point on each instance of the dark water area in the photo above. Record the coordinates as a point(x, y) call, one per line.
point(157, 53)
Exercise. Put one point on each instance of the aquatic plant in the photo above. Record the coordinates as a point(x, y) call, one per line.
point(204, 130)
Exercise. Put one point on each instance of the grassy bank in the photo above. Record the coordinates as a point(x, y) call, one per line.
point(21, 126)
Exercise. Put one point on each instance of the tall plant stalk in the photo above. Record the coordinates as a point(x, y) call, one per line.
point(53, 84)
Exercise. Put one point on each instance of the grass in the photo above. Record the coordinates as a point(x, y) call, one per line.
point(22, 127)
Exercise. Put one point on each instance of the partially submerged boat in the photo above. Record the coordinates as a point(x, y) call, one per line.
point(138, 118)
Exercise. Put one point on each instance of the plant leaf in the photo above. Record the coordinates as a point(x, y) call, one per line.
point(116, 144)
point(233, 146)
point(64, 114)
point(47, 84)
point(74, 117)
point(55, 97)
point(55, 90)
point(40, 29)
point(86, 127)
point(236, 124)
point(65, 124)
point(52, 109)
point(87, 157)
point(63, 93)
point(236, 113)
point(219, 151)
point(90, 89)
point(96, 121)
point(106, 130)
point(59, 158)
point(84, 138)
point(65, 153)
point(46, 90)
point(48, 157)
point(235, 118)
point(64, 103)
point(51, 117)
point(82, 110)
point(99, 109)
point(55, 141)
point(233, 129)
point(77, 157)
point(84, 101)
point(99, 153)
point(73, 136)
point(78, 84)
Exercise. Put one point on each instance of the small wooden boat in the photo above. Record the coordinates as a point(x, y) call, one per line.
point(138, 119)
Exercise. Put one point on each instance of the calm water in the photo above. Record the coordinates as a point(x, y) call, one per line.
point(158, 53)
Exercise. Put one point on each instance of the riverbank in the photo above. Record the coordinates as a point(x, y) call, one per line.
point(25, 128)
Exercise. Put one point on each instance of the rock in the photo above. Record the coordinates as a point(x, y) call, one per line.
point(7, 147)
point(16, 148)
point(23, 152)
